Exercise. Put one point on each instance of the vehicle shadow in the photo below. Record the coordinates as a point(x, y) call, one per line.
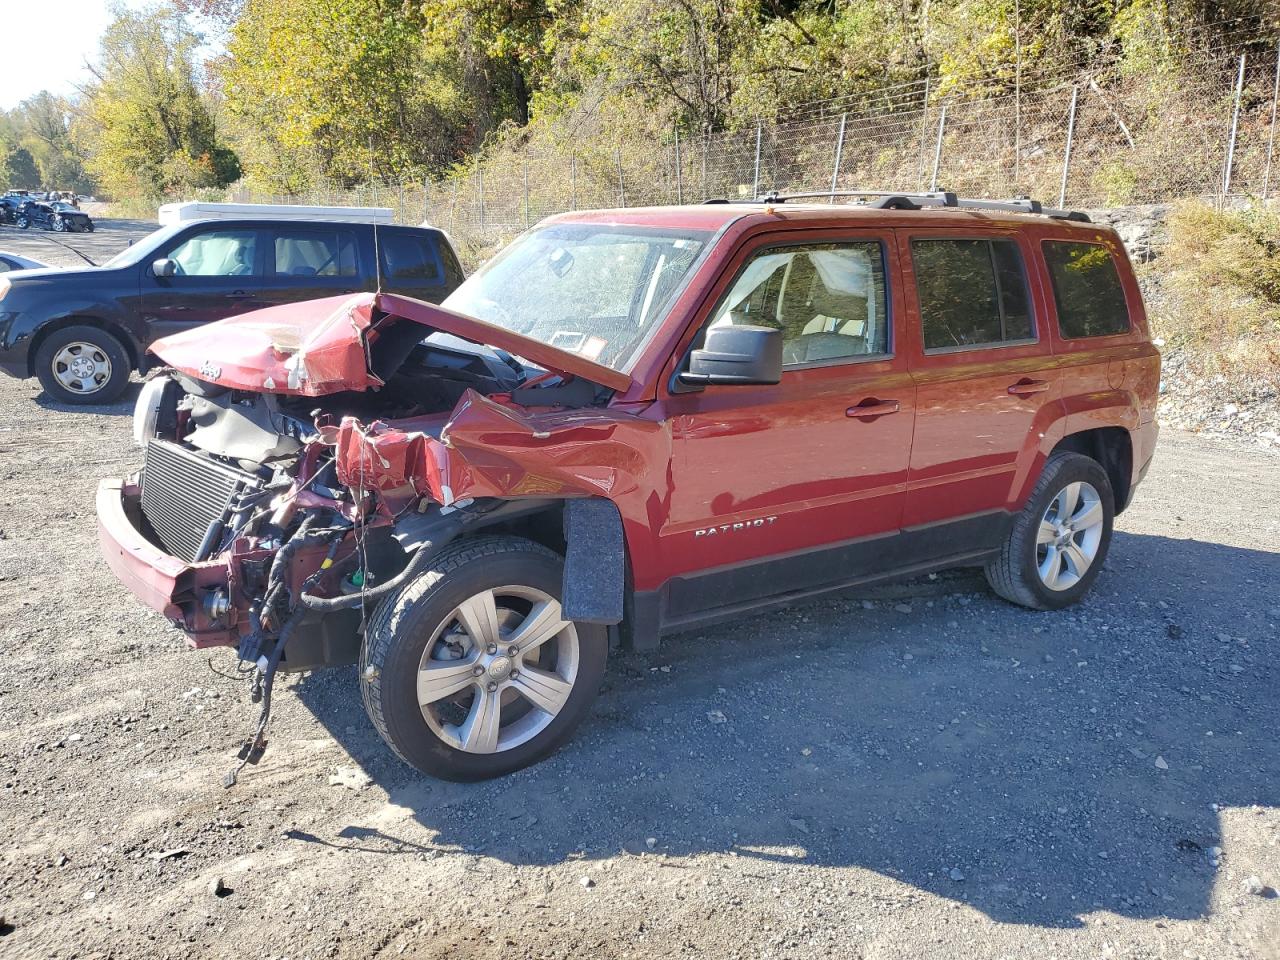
point(1036, 766)
point(122, 406)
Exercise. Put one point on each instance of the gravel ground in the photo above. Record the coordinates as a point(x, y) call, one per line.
point(924, 772)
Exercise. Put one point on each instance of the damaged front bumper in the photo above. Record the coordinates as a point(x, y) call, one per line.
point(179, 589)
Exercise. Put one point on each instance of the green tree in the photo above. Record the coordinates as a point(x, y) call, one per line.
point(150, 128)
point(20, 171)
point(339, 89)
point(43, 124)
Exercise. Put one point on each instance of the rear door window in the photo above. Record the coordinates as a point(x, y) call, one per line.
point(972, 293)
point(408, 258)
point(1086, 289)
point(315, 253)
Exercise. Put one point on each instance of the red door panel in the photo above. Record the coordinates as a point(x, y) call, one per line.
point(980, 411)
point(771, 470)
point(818, 459)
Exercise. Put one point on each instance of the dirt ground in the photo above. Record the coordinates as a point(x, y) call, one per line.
point(928, 772)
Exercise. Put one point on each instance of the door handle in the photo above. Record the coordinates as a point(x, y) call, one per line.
point(871, 407)
point(239, 295)
point(1025, 387)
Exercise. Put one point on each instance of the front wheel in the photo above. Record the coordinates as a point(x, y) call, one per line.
point(22, 223)
point(1059, 540)
point(59, 225)
point(471, 671)
point(82, 364)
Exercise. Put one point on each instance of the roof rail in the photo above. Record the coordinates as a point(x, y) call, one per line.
point(894, 200)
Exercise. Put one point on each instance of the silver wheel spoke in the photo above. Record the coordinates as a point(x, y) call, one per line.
point(1051, 567)
point(479, 617)
point(546, 691)
point(1067, 501)
point(543, 622)
point(1077, 560)
point(444, 678)
point(479, 732)
point(1089, 515)
point(1047, 532)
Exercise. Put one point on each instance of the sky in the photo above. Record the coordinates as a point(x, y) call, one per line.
point(27, 63)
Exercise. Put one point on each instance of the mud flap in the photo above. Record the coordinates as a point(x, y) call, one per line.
point(595, 561)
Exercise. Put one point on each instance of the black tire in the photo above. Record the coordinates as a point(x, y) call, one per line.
point(111, 389)
point(1014, 574)
point(403, 623)
point(89, 226)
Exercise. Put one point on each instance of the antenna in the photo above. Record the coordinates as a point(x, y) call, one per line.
point(377, 260)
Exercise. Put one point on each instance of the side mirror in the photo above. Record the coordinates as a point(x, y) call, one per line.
point(165, 267)
point(736, 355)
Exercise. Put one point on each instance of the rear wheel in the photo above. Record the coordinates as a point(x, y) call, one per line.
point(83, 364)
point(472, 671)
point(1060, 539)
point(59, 225)
point(22, 223)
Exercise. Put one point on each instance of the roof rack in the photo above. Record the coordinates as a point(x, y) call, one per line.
point(893, 200)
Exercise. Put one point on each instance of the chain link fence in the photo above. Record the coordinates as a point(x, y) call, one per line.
point(1099, 136)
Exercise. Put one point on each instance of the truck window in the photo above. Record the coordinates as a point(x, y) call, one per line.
point(972, 293)
point(407, 257)
point(315, 253)
point(829, 300)
point(1087, 289)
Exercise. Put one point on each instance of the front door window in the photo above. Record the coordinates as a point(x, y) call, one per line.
point(219, 253)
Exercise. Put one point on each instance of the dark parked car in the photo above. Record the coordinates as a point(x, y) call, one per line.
point(58, 216)
point(82, 331)
point(9, 205)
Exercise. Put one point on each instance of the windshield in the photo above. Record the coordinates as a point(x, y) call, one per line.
point(137, 252)
point(597, 290)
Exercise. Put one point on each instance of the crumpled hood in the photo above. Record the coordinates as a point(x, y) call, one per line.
point(321, 347)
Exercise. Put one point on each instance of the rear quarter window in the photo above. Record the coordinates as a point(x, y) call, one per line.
point(1087, 289)
point(409, 257)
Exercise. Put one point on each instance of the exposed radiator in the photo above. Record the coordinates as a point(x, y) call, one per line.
point(185, 494)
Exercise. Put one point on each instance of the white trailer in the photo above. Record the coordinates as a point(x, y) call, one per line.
point(171, 213)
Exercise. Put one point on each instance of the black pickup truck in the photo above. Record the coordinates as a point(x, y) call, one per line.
point(82, 331)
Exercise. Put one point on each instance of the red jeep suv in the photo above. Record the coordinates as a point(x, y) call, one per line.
point(627, 423)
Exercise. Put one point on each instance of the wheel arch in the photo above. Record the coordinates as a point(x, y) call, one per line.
point(586, 531)
point(46, 330)
point(1112, 449)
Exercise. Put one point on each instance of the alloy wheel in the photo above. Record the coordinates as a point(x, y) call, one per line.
point(1069, 535)
point(498, 670)
point(81, 367)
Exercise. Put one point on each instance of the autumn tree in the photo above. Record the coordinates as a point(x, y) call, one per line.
point(150, 129)
point(338, 89)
